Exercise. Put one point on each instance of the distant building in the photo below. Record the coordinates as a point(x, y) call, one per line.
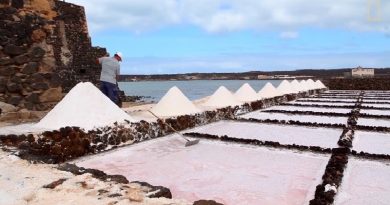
point(284, 77)
point(360, 72)
point(264, 77)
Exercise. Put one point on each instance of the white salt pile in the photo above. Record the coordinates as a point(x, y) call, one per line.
point(174, 103)
point(296, 86)
point(222, 97)
point(285, 88)
point(246, 93)
point(319, 84)
point(311, 84)
point(85, 106)
point(304, 85)
point(269, 91)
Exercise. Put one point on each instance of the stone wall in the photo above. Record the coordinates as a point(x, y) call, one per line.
point(45, 49)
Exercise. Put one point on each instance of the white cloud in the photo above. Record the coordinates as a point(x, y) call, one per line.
point(289, 35)
point(233, 15)
point(240, 63)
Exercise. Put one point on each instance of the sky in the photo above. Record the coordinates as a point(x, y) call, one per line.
point(184, 36)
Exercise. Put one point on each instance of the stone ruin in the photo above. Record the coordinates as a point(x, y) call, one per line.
point(45, 50)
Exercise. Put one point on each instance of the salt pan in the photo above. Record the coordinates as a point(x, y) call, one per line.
point(174, 103)
point(246, 94)
point(85, 106)
point(285, 88)
point(269, 91)
point(222, 97)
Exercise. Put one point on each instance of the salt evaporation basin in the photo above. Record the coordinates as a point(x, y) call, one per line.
point(321, 103)
point(246, 93)
point(84, 106)
point(376, 105)
point(269, 91)
point(295, 117)
point(222, 97)
point(372, 142)
point(373, 122)
point(309, 109)
point(327, 99)
point(174, 103)
point(375, 112)
point(228, 173)
point(285, 88)
point(373, 101)
point(284, 134)
point(364, 182)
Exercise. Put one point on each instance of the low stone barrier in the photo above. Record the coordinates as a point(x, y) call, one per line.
point(72, 142)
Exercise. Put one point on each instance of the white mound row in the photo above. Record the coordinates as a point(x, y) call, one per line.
point(175, 103)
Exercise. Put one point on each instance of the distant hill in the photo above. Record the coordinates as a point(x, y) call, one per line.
point(317, 73)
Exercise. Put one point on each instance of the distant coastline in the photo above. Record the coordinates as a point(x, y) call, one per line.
point(251, 75)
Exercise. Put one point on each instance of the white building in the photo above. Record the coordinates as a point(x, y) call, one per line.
point(362, 72)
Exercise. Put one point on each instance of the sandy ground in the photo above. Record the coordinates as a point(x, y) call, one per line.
point(21, 183)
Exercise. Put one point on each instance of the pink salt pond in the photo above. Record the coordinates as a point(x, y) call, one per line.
point(228, 173)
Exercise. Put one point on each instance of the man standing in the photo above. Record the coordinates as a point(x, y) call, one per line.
point(109, 76)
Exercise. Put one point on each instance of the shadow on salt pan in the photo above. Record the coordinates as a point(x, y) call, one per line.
point(228, 173)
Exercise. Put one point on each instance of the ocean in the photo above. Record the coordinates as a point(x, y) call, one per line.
point(193, 89)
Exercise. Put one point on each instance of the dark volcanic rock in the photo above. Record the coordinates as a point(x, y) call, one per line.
point(7, 71)
point(30, 68)
point(14, 87)
point(206, 202)
point(37, 53)
point(5, 61)
point(3, 81)
point(22, 59)
point(14, 50)
point(14, 100)
point(39, 86)
point(5, 2)
point(17, 4)
point(160, 191)
point(33, 98)
point(54, 184)
point(118, 178)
